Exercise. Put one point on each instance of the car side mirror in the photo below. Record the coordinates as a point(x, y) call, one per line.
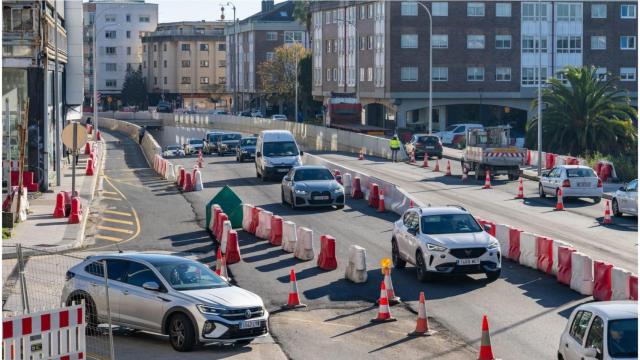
point(301, 152)
point(590, 353)
point(487, 227)
point(623, 188)
point(151, 286)
point(339, 178)
point(286, 178)
point(412, 231)
point(258, 154)
point(545, 173)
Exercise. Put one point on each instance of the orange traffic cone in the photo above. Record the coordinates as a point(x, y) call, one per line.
point(413, 157)
point(520, 190)
point(437, 168)
point(487, 180)
point(218, 262)
point(485, 342)
point(381, 201)
point(607, 214)
point(448, 173)
point(464, 173)
point(560, 202)
point(422, 325)
point(361, 156)
point(425, 162)
point(200, 162)
point(384, 313)
point(294, 298)
point(391, 295)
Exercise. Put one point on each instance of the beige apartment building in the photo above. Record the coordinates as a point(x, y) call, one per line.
point(184, 63)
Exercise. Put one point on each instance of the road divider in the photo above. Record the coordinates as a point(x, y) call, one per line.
point(226, 227)
point(222, 217)
point(275, 237)
point(327, 257)
point(304, 244)
point(602, 280)
point(581, 273)
point(528, 256)
point(356, 270)
point(564, 273)
point(289, 236)
point(263, 230)
point(247, 210)
point(544, 253)
point(620, 284)
point(232, 253)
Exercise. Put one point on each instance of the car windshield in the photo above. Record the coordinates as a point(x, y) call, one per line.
point(248, 142)
point(281, 148)
point(312, 174)
point(451, 127)
point(622, 338)
point(227, 137)
point(195, 142)
point(428, 140)
point(580, 172)
point(449, 224)
point(213, 137)
point(188, 275)
point(173, 147)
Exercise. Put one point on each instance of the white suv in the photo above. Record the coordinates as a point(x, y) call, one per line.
point(444, 240)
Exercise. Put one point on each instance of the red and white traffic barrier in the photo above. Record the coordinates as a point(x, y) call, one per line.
point(246, 216)
point(222, 217)
point(215, 213)
point(602, 280)
point(581, 273)
point(564, 273)
point(356, 270)
point(255, 219)
point(633, 287)
point(620, 284)
point(514, 244)
point(327, 256)
point(226, 227)
point(528, 256)
point(346, 182)
point(544, 253)
point(556, 245)
point(275, 237)
point(263, 230)
point(304, 245)
point(502, 235)
point(289, 236)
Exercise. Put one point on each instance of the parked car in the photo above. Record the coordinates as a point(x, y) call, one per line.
point(228, 143)
point(218, 112)
point(279, 117)
point(276, 153)
point(576, 181)
point(194, 145)
point(625, 200)
point(166, 294)
point(601, 330)
point(173, 150)
point(311, 186)
point(164, 107)
point(257, 113)
point(444, 240)
point(246, 148)
point(212, 139)
point(426, 145)
point(455, 134)
point(245, 113)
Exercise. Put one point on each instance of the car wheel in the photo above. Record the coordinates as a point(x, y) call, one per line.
point(615, 209)
point(241, 158)
point(181, 334)
point(293, 201)
point(512, 177)
point(339, 207)
point(282, 200)
point(421, 268)
point(440, 157)
point(91, 313)
point(493, 275)
point(541, 192)
point(398, 263)
point(596, 200)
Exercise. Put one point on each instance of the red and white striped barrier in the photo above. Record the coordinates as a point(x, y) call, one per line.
point(61, 334)
point(502, 235)
point(246, 216)
point(289, 236)
point(556, 245)
point(514, 244)
point(581, 273)
point(602, 280)
point(544, 254)
point(633, 287)
point(304, 245)
point(620, 284)
point(226, 228)
point(255, 219)
point(564, 265)
point(528, 256)
point(263, 231)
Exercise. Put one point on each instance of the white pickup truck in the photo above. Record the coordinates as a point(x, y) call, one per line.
point(490, 149)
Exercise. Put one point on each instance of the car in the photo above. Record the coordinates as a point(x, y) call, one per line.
point(257, 113)
point(276, 153)
point(444, 240)
point(164, 107)
point(218, 112)
point(455, 134)
point(228, 143)
point(194, 145)
point(425, 144)
point(311, 185)
point(212, 139)
point(245, 113)
point(279, 117)
point(601, 330)
point(576, 181)
point(166, 294)
point(173, 150)
point(246, 148)
point(625, 200)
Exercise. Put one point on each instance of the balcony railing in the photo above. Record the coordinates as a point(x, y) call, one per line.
point(186, 32)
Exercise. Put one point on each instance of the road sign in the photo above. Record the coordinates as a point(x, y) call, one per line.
point(81, 136)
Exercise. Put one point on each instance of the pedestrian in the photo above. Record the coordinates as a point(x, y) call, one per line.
point(141, 134)
point(394, 144)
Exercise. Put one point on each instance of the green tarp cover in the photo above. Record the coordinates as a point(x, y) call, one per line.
point(230, 204)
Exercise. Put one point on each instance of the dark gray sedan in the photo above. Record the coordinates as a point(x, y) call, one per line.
point(311, 186)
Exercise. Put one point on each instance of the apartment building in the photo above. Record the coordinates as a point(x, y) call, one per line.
point(119, 26)
point(258, 36)
point(486, 55)
point(186, 62)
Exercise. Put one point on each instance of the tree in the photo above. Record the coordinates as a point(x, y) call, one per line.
point(302, 13)
point(278, 76)
point(589, 114)
point(134, 89)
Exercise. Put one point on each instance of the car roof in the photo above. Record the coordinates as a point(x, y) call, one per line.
point(430, 135)
point(277, 135)
point(310, 167)
point(613, 310)
point(573, 167)
point(216, 132)
point(441, 210)
point(149, 257)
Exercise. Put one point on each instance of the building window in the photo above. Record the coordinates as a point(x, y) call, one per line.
point(534, 11)
point(363, 12)
point(204, 63)
point(269, 56)
point(222, 63)
point(164, 64)
point(440, 9)
point(361, 42)
point(335, 46)
point(370, 74)
point(128, 17)
point(110, 18)
point(155, 80)
point(144, 48)
point(186, 47)
point(503, 41)
point(110, 50)
point(409, 74)
point(627, 11)
point(475, 9)
point(335, 74)
point(475, 74)
point(334, 16)
point(370, 11)
point(186, 80)
point(129, 67)
point(530, 75)
point(186, 63)
point(128, 50)
point(569, 12)
point(440, 74)
point(503, 9)
point(144, 64)
point(503, 74)
point(111, 66)
point(440, 41)
point(111, 83)
point(328, 74)
point(110, 34)
point(272, 36)
point(569, 44)
point(204, 80)
point(293, 37)
point(531, 44)
point(128, 34)
point(598, 42)
point(475, 41)
point(222, 47)
point(155, 64)
point(598, 11)
point(628, 74)
point(204, 47)
point(601, 73)
point(409, 41)
point(328, 43)
point(222, 80)
point(627, 42)
point(143, 18)
point(370, 42)
point(165, 80)
point(408, 8)
point(164, 47)
point(155, 47)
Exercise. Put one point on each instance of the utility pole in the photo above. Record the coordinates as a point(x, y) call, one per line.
point(56, 109)
point(430, 67)
point(540, 88)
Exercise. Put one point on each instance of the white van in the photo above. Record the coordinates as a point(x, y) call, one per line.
point(276, 153)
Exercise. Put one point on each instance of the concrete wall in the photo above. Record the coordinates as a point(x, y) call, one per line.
point(150, 146)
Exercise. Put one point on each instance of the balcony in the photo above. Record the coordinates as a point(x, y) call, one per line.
point(186, 33)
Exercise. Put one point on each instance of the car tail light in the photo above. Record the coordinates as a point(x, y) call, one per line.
point(599, 182)
point(566, 183)
point(419, 145)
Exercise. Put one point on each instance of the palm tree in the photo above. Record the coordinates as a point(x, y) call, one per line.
point(589, 114)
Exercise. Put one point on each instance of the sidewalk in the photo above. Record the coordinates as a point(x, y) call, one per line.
point(41, 230)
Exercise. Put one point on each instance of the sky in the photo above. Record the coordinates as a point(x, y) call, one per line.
point(209, 10)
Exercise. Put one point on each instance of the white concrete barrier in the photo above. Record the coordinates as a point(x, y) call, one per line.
point(177, 171)
point(289, 236)
point(356, 270)
point(197, 182)
point(226, 227)
point(581, 273)
point(246, 216)
point(619, 284)
point(346, 181)
point(528, 256)
point(263, 230)
point(556, 245)
point(171, 174)
point(304, 246)
point(502, 235)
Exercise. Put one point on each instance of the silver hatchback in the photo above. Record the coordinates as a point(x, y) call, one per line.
point(169, 295)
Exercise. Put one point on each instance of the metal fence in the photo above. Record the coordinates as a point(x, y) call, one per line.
point(34, 280)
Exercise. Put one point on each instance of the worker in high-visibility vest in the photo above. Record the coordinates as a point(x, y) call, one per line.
point(394, 144)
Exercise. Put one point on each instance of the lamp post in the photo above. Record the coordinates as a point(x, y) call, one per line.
point(236, 55)
point(430, 66)
point(540, 88)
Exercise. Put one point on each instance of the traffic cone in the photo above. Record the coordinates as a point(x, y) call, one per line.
point(90, 169)
point(448, 173)
point(464, 173)
point(487, 180)
point(200, 162)
point(381, 201)
point(437, 168)
point(607, 214)
point(218, 261)
point(223, 268)
point(87, 148)
point(485, 342)
point(422, 325)
point(425, 162)
point(98, 135)
point(520, 190)
point(410, 203)
point(413, 157)
point(388, 284)
point(384, 313)
point(560, 202)
point(361, 156)
point(60, 210)
point(294, 298)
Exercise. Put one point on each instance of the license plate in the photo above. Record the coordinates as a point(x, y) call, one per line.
point(584, 184)
point(248, 324)
point(429, 147)
point(320, 198)
point(468, 261)
point(283, 170)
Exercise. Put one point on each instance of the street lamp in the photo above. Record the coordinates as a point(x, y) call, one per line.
point(540, 88)
point(430, 66)
point(237, 53)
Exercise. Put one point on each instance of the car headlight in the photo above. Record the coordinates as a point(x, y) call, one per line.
point(493, 245)
point(338, 190)
point(432, 247)
point(267, 162)
point(300, 192)
point(205, 309)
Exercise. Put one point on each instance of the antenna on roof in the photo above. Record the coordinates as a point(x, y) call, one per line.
point(119, 250)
